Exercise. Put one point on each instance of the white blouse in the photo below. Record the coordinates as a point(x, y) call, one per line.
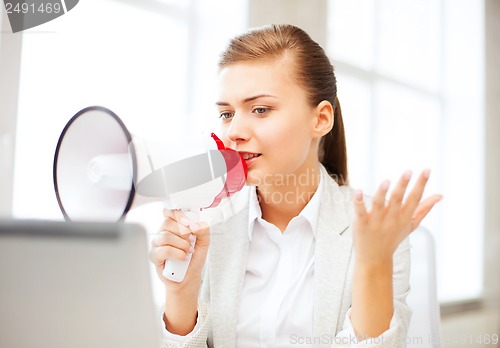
point(277, 296)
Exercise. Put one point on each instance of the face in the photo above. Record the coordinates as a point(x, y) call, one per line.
point(264, 115)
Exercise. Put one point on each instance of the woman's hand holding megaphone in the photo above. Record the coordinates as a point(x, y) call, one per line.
point(174, 242)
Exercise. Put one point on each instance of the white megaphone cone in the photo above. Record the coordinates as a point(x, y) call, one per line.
point(100, 173)
point(92, 152)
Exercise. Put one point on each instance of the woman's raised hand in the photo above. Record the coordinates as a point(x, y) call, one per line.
point(173, 242)
point(378, 232)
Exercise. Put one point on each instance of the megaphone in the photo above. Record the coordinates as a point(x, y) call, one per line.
point(100, 171)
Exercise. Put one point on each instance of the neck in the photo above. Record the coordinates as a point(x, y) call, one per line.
point(283, 199)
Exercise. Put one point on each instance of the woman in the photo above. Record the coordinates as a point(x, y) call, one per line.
point(303, 262)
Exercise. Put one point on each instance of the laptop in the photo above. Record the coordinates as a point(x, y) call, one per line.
point(76, 285)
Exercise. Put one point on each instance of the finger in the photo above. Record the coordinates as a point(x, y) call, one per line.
point(165, 238)
point(167, 213)
point(160, 254)
point(415, 195)
point(173, 226)
point(359, 205)
point(176, 215)
point(378, 202)
point(199, 228)
point(399, 192)
point(423, 209)
point(201, 231)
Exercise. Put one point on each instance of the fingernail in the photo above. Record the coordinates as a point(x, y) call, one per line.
point(407, 175)
point(187, 257)
point(194, 227)
point(184, 221)
point(427, 173)
point(359, 195)
point(192, 238)
point(191, 250)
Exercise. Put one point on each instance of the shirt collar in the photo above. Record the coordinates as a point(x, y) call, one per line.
point(310, 212)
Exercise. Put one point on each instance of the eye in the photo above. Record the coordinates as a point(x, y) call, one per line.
point(260, 110)
point(225, 115)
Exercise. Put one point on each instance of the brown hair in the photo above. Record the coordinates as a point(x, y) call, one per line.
point(313, 71)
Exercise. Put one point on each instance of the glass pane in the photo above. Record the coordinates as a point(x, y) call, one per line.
point(351, 31)
point(463, 142)
point(461, 253)
point(409, 41)
point(101, 53)
point(355, 100)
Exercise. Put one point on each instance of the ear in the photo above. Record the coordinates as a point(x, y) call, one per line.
point(323, 119)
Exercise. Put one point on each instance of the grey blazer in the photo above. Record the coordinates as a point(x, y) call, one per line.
point(219, 298)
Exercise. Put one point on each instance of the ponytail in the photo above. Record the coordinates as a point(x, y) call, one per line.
point(332, 151)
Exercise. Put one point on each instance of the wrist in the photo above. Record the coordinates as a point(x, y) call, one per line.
point(374, 266)
point(187, 286)
point(186, 294)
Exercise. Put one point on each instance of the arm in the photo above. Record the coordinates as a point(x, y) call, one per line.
point(372, 298)
point(197, 338)
point(396, 334)
point(182, 311)
point(377, 234)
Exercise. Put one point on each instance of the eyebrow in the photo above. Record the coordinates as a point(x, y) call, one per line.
point(246, 100)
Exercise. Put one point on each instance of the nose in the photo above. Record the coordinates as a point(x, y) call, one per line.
point(238, 130)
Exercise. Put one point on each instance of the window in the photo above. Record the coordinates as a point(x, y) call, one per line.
point(410, 86)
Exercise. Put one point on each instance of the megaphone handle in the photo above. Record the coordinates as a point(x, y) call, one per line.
point(175, 270)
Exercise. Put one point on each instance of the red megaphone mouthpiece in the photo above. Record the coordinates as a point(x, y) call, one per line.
point(237, 171)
